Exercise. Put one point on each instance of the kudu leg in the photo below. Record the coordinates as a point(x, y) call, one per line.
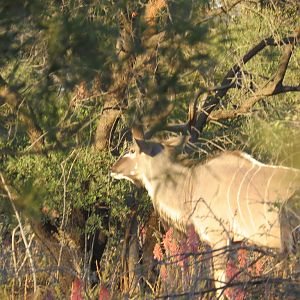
point(220, 259)
point(219, 268)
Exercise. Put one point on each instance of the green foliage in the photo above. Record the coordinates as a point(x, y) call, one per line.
point(79, 180)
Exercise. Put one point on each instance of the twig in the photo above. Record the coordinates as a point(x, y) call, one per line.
point(25, 258)
point(13, 249)
point(11, 199)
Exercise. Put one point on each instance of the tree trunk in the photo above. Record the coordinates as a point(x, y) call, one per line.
point(106, 124)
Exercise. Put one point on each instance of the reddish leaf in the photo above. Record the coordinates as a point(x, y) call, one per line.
point(77, 290)
point(103, 293)
point(157, 252)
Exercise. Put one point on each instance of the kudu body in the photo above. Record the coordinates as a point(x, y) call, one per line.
point(229, 197)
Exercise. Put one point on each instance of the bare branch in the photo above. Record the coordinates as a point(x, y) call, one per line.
point(271, 88)
point(268, 91)
point(287, 88)
point(284, 61)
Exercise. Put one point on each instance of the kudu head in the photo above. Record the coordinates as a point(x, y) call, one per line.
point(144, 154)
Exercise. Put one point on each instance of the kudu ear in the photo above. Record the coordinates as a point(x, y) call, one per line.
point(138, 138)
point(148, 148)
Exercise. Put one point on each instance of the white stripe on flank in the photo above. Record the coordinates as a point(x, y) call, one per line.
point(247, 196)
point(228, 194)
point(239, 192)
point(238, 231)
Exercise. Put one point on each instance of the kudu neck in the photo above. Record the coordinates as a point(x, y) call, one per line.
point(155, 172)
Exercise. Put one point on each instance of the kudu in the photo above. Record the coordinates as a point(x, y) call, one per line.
point(231, 197)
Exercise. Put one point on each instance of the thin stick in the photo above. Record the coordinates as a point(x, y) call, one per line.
point(11, 199)
point(25, 259)
point(14, 250)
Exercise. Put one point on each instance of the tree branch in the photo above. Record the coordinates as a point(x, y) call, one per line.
point(288, 88)
point(283, 64)
point(271, 88)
